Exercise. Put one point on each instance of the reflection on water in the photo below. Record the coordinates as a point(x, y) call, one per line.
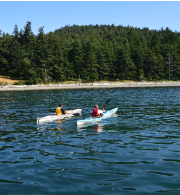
point(59, 121)
point(59, 126)
point(99, 128)
point(136, 151)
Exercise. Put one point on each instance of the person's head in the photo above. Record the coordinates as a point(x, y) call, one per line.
point(60, 104)
point(96, 106)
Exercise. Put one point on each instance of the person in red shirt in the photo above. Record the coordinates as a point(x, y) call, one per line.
point(96, 112)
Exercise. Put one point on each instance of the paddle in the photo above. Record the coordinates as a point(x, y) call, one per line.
point(105, 105)
point(107, 102)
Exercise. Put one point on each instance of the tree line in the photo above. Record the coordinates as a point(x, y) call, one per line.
point(90, 53)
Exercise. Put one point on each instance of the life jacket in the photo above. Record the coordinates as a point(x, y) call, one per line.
point(95, 112)
point(58, 111)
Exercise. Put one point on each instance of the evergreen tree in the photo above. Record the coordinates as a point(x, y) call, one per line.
point(15, 65)
point(77, 56)
point(5, 42)
point(15, 32)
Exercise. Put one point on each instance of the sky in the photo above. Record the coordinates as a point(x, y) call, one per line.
point(54, 15)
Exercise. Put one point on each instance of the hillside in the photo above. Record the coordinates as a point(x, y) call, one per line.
point(91, 53)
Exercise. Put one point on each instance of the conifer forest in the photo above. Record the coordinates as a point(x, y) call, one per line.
point(90, 53)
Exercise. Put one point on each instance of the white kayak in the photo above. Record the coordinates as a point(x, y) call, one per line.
point(97, 119)
point(52, 117)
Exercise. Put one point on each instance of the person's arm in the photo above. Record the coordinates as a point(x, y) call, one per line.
point(102, 109)
point(62, 110)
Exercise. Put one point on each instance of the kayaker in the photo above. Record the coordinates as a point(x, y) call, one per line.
point(60, 110)
point(96, 112)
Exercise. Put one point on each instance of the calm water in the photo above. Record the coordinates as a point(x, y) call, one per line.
point(136, 151)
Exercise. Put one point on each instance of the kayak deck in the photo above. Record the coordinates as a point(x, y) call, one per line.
point(52, 117)
point(97, 119)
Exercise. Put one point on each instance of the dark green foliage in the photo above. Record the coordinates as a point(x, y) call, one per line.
point(16, 60)
point(90, 53)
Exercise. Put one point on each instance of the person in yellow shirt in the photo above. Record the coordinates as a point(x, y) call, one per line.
point(60, 110)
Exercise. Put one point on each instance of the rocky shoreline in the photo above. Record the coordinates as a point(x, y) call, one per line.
point(88, 85)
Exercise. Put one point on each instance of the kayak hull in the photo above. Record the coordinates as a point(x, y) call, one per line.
point(97, 119)
point(53, 117)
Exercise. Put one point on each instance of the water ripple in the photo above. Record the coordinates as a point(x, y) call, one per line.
point(134, 152)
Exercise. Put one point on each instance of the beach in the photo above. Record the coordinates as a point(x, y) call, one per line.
point(88, 85)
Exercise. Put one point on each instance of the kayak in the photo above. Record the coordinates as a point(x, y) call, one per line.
point(97, 119)
point(83, 125)
point(52, 117)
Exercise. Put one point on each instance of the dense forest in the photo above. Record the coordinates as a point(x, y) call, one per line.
point(90, 53)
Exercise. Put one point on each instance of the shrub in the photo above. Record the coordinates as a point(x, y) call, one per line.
point(19, 83)
point(1, 82)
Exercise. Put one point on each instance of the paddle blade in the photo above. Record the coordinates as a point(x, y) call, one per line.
point(108, 101)
point(76, 114)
